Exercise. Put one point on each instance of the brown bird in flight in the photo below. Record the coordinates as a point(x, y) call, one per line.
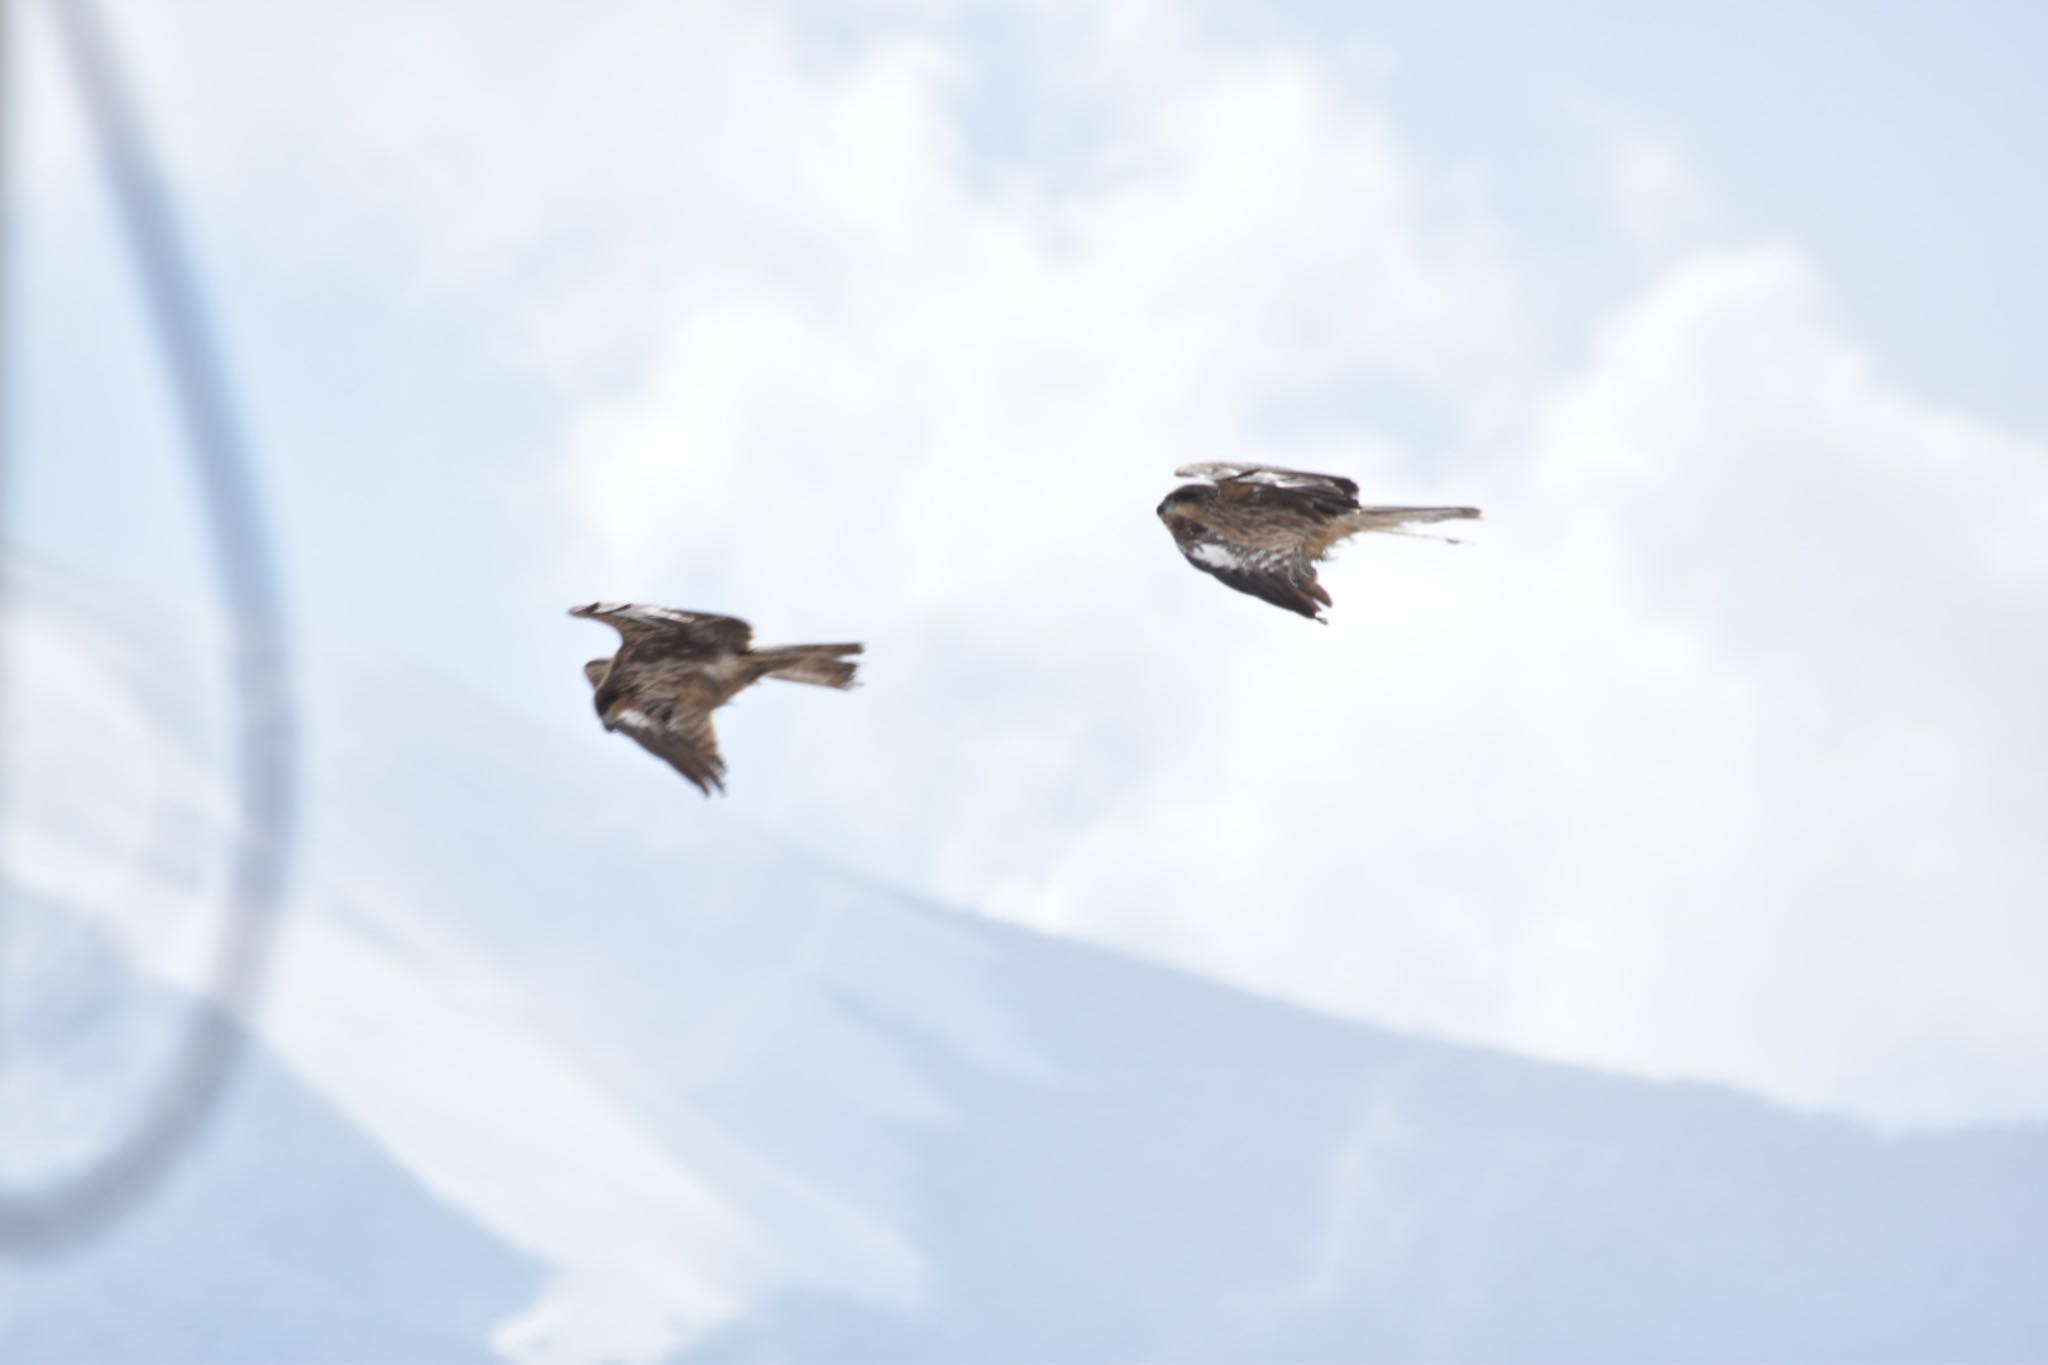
point(1261, 529)
point(676, 667)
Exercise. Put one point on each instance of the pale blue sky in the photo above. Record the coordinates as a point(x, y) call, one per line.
point(499, 354)
point(1897, 144)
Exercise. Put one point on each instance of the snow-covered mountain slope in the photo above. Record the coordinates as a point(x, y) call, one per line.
point(737, 1105)
point(286, 1234)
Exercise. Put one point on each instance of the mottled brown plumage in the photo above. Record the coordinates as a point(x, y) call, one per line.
point(1261, 530)
point(674, 668)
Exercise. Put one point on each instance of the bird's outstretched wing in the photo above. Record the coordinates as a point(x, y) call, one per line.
point(1261, 529)
point(1283, 576)
point(662, 630)
point(1269, 476)
point(677, 730)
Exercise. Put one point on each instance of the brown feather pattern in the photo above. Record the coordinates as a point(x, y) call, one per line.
point(674, 668)
point(1261, 529)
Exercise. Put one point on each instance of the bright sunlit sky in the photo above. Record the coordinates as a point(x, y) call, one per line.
point(1718, 751)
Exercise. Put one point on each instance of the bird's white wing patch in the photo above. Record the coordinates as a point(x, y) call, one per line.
point(1217, 555)
point(1223, 554)
point(1270, 475)
point(662, 616)
point(1212, 469)
point(642, 623)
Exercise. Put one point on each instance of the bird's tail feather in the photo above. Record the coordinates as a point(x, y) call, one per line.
point(1397, 520)
point(820, 665)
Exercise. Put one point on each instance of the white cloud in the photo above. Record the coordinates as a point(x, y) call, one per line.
point(1676, 771)
point(1716, 761)
point(942, 444)
point(1715, 755)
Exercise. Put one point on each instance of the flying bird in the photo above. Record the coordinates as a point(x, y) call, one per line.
point(674, 668)
point(1261, 530)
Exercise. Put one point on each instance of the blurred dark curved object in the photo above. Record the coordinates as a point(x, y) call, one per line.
point(93, 1197)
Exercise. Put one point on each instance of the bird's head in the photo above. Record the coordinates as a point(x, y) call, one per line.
point(1185, 497)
